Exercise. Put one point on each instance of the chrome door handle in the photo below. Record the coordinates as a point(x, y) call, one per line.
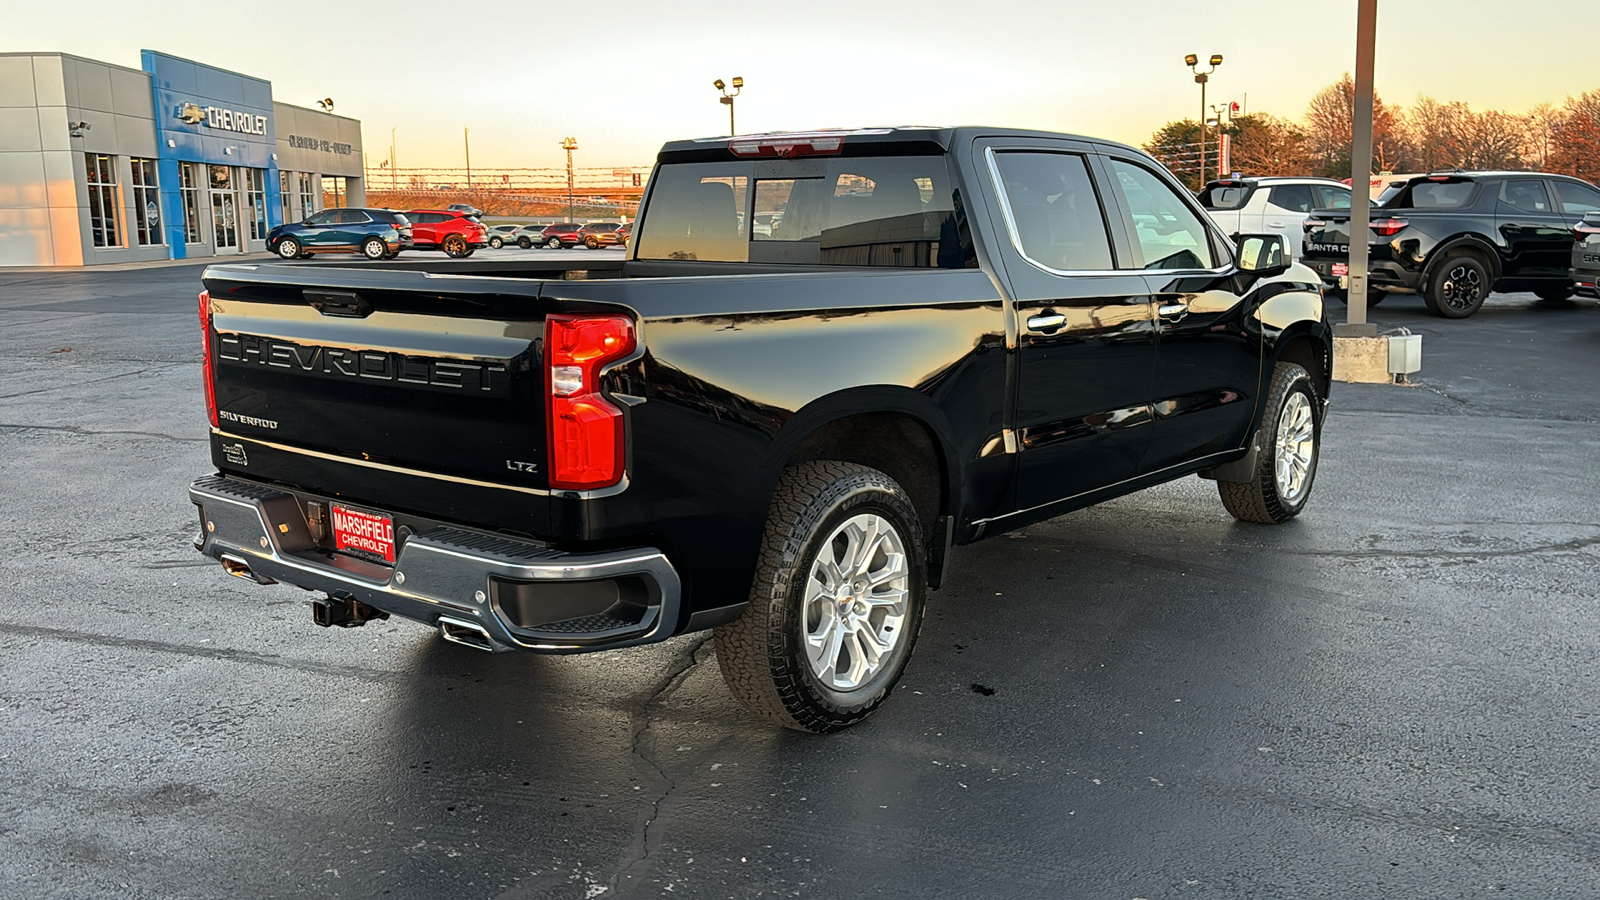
point(1046, 322)
point(1172, 310)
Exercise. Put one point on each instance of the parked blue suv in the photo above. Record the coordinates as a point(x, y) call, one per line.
point(373, 233)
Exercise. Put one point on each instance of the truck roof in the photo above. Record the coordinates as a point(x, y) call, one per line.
point(941, 138)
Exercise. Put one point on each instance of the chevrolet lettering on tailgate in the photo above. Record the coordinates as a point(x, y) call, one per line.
point(380, 365)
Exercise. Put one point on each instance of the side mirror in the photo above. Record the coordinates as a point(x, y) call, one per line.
point(1262, 255)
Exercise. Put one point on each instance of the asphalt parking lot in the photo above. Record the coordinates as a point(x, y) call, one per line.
point(1392, 696)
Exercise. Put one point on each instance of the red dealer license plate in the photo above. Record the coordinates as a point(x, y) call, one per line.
point(368, 534)
point(1340, 269)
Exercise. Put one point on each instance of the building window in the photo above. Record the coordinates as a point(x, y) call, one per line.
point(285, 196)
point(190, 179)
point(255, 196)
point(308, 203)
point(102, 174)
point(146, 203)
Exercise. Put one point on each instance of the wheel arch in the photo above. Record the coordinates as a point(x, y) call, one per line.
point(895, 430)
point(1306, 345)
point(1471, 242)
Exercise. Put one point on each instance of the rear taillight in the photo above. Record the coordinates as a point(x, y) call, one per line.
point(1584, 231)
point(206, 365)
point(1388, 227)
point(1315, 223)
point(587, 443)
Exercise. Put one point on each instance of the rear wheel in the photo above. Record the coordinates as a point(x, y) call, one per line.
point(374, 248)
point(455, 246)
point(1458, 286)
point(1286, 466)
point(289, 248)
point(837, 600)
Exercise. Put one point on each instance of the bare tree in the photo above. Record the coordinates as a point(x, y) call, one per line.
point(1267, 145)
point(1539, 126)
point(1330, 118)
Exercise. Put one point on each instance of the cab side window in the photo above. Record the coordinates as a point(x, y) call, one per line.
point(1577, 199)
point(1292, 197)
point(1054, 210)
point(1527, 195)
point(1169, 233)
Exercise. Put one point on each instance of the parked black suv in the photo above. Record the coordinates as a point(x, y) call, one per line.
point(1454, 237)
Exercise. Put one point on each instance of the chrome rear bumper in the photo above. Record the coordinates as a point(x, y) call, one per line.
point(507, 586)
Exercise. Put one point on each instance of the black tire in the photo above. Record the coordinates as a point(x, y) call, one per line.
point(1458, 286)
point(288, 248)
point(455, 246)
point(553, 244)
point(524, 243)
point(374, 248)
point(495, 243)
point(1555, 295)
point(762, 654)
point(1262, 499)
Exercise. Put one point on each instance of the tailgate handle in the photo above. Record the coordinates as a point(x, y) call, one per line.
point(339, 303)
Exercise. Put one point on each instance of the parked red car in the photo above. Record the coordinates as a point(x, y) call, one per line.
point(455, 232)
point(562, 235)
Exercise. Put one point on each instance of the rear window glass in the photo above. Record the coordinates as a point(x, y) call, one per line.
point(1436, 195)
point(1220, 196)
point(881, 211)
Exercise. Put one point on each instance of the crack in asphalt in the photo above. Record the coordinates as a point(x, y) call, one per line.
point(639, 851)
point(1571, 546)
point(75, 429)
point(215, 653)
point(62, 387)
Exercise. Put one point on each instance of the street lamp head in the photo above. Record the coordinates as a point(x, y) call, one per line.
point(1191, 59)
point(718, 84)
point(1216, 59)
point(737, 82)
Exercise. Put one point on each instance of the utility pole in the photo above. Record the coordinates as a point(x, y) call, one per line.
point(466, 138)
point(1361, 168)
point(569, 144)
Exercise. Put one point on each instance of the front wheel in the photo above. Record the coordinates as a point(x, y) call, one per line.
point(1286, 464)
point(374, 248)
point(1458, 286)
point(495, 243)
point(836, 603)
point(524, 243)
point(289, 248)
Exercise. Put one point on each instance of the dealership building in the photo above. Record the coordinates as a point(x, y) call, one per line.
point(101, 163)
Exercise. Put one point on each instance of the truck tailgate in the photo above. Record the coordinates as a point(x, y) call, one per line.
point(435, 375)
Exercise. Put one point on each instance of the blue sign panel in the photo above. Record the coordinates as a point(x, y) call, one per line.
point(208, 115)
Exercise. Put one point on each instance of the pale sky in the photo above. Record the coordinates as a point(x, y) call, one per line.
point(623, 76)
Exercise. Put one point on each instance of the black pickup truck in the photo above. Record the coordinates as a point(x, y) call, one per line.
point(1455, 237)
point(826, 358)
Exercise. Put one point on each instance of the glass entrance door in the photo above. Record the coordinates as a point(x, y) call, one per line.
point(225, 221)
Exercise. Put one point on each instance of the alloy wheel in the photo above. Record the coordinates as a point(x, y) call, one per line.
point(1295, 449)
point(1462, 288)
point(855, 602)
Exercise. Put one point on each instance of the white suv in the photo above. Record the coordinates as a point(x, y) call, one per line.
point(1272, 204)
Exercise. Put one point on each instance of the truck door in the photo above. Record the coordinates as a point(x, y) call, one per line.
point(1208, 364)
point(1538, 239)
point(1085, 330)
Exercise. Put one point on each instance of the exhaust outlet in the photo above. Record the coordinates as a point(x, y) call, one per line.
point(238, 568)
point(470, 634)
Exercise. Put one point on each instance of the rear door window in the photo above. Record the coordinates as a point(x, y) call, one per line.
point(1527, 195)
point(1442, 194)
point(1292, 197)
point(1054, 213)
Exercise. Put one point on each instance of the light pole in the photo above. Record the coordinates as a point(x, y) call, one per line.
point(727, 98)
point(569, 144)
point(1201, 78)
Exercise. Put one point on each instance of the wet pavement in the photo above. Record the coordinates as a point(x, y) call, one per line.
point(1391, 696)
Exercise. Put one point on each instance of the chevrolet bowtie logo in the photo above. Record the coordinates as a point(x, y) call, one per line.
point(191, 113)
